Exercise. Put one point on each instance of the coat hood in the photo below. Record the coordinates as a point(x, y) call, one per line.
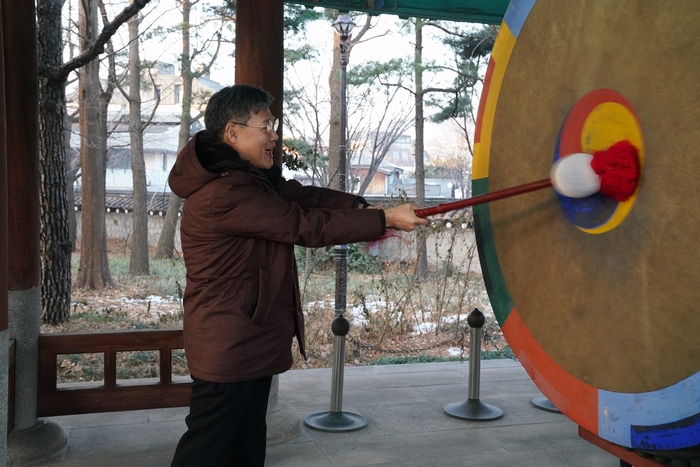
point(204, 159)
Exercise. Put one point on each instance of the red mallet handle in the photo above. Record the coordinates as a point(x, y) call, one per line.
point(496, 195)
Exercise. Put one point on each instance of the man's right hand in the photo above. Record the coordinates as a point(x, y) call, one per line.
point(403, 217)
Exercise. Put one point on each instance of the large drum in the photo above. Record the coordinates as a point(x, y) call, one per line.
point(599, 300)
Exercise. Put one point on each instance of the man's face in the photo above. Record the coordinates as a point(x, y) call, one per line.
point(252, 140)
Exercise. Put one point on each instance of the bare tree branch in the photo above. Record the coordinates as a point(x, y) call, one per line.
point(99, 45)
point(157, 103)
point(455, 33)
point(357, 37)
point(411, 91)
point(456, 71)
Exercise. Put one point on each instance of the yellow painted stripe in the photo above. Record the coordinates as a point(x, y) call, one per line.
point(622, 210)
point(607, 124)
point(501, 55)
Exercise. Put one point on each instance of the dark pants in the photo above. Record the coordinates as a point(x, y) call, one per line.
point(226, 425)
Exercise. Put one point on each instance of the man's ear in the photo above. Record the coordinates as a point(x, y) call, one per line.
point(230, 133)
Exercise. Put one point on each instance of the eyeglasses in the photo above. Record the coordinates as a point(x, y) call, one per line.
point(269, 126)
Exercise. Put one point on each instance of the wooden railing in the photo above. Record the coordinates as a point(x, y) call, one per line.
point(109, 395)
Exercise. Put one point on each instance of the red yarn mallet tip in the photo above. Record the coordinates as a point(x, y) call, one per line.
point(388, 233)
point(619, 170)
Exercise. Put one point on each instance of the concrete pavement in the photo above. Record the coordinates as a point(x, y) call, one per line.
point(407, 424)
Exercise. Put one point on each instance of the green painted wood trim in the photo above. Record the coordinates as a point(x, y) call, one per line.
point(501, 301)
point(469, 11)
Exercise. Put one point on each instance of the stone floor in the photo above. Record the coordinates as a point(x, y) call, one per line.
point(407, 426)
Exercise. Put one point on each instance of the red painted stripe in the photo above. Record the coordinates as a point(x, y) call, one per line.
point(576, 399)
point(482, 101)
point(571, 132)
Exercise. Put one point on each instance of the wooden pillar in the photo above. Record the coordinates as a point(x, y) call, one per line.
point(260, 52)
point(22, 125)
point(3, 192)
point(32, 440)
point(23, 216)
point(260, 62)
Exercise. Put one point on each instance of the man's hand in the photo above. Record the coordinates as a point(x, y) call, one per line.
point(403, 217)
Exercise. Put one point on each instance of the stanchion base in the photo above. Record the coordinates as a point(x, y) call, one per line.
point(541, 402)
point(336, 422)
point(473, 409)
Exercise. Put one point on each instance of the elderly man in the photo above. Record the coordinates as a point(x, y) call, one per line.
point(240, 222)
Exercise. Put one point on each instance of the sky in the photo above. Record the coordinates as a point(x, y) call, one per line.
point(384, 42)
point(387, 41)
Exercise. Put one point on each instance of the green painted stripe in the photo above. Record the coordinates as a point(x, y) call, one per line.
point(501, 301)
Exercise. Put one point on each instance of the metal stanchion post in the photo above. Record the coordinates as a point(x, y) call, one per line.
point(541, 402)
point(336, 420)
point(473, 408)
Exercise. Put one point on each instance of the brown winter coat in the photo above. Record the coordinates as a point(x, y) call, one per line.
point(238, 231)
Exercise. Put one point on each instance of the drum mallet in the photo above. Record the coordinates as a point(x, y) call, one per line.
point(613, 172)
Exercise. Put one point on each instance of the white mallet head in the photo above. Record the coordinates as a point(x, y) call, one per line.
point(573, 176)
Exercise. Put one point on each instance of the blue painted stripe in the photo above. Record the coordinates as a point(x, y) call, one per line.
point(585, 213)
point(671, 436)
point(673, 411)
point(516, 14)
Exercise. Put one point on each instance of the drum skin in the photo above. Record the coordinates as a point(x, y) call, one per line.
point(599, 300)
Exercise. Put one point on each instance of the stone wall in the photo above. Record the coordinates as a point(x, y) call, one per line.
point(120, 227)
point(458, 242)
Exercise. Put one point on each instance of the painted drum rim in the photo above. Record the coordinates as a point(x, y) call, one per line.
point(617, 417)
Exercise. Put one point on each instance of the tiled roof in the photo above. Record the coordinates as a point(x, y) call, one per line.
point(122, 201)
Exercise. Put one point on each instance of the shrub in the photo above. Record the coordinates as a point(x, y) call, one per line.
point(421, 358)
point(359, 260)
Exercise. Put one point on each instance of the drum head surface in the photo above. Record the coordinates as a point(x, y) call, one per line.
point(598, 299)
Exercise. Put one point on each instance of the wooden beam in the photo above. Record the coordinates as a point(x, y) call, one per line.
point(470, 11)
point(73, 401)
point(618, 451)
point(3, 191)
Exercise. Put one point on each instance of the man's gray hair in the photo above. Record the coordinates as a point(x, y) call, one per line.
point(235, 103)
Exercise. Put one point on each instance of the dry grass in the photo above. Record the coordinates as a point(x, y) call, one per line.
point(394, 318)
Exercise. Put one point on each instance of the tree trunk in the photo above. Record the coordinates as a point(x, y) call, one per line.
point(334, 85)
point(138, 263)
point(56, 244)
point(94, 267)
point(334, 129)
point(166, 241)
point(72, 165)
point(71, 157)
point(421, 251)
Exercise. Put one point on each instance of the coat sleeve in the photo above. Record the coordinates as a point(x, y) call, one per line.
point(316, 197)
point(241, 206)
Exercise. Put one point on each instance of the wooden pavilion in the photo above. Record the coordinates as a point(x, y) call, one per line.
point(23, 352)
